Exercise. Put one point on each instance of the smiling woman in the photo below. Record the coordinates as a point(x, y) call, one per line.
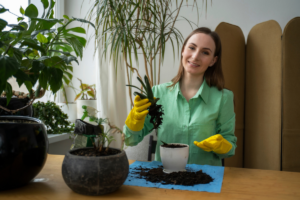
point(196, 105)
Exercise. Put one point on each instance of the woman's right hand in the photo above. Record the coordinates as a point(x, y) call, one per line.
point(136, 118)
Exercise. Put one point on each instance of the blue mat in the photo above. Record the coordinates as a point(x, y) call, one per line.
point(215, 172)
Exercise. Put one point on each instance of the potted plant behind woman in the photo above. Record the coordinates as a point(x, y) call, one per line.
point(86, 97)
point(35, 54)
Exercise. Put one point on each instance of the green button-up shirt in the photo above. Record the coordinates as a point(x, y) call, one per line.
point(208, 113)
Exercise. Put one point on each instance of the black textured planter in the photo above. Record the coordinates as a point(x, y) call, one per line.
point(23, 150)
point(15, 104)
point(95, 175)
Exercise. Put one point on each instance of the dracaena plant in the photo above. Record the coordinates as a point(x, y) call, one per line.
point(155, 110)
point(86, 92)
point(133, 29)
point(37, 52)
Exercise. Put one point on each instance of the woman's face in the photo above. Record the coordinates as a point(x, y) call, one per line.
point(198, 54)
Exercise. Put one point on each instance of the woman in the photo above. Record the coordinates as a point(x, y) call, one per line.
point(195, 103)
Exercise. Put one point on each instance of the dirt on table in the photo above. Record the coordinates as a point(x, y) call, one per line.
point(156, 175)
point(91, 152)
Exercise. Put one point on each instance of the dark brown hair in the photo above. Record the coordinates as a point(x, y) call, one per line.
point(213, 75)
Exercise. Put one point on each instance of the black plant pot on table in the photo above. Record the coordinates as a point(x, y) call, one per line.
point(23, 150)
point(94, 175)
point(15, 104)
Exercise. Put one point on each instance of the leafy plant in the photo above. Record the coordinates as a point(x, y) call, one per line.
point(103, 138)
point(129, 28)
point(52, 116)
point(86, 90)
point(155, 110)
point(38, 53)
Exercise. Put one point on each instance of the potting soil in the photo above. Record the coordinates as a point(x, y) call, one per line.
point(138, 177)
point(156, 175)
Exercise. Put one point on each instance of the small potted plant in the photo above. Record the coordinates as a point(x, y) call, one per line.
point(174, 156)
point(52, 116)
point(99, 169)
point(87, 97)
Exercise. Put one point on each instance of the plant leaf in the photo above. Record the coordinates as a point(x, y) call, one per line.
point(77, 96)
point(3, 10)
point(91, 93)
point(44, 31)
point(141, 95)
point(137, 88)
point(45, 3)
point(41, 38)
point(8, 67)
point(22, 11)
point(149, 89)
point(77, 30)
point(3, 24)
point(33, 45)
point(8, 90)
point(77, 46)
point(21, 77)
point(66, 17)
point(55, 78)
point(84, 21)
point(43, 78)
point(31, 11)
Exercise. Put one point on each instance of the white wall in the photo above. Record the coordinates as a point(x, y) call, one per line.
point(243, 13)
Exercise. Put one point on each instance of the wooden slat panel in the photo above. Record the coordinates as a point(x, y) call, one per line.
point(291, 94)
point(263, 97)
point(233, 64)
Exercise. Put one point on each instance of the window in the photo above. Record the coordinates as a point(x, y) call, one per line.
point(14, 7)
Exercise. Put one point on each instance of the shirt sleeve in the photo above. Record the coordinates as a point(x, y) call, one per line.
point(226, 122)
point(132, 138)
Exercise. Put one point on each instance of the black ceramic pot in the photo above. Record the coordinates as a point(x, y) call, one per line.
point(95, 175)
point(23, 150)
point(15, 104)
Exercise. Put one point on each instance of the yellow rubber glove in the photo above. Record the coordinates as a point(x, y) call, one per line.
point(215, 143)
point(136, 118)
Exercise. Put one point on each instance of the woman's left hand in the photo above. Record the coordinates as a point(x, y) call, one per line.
point(215, 143)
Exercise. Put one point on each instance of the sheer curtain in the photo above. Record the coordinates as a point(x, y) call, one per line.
point(111, 93)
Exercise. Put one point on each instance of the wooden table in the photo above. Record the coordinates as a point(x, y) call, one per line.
point(238, 183)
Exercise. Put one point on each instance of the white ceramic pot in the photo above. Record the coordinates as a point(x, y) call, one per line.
point(91, 107)
point(70, 110)
point(174, 159)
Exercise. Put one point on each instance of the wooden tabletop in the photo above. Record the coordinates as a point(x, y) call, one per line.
point(238, 183)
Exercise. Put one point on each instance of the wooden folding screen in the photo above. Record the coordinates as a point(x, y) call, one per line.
point(263, 97)
point(291, 96)
point(233, 64)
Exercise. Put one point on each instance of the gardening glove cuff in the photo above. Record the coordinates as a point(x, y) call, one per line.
point(136, 118)
point(215, 143)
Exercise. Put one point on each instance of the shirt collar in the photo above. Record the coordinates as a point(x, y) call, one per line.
point(203, 91)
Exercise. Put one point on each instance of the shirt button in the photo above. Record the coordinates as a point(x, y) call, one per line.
point(184, 126)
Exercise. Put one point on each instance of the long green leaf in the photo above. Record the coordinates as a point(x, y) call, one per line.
point(137, 88)
point(84, 21)
point(141, 95)
point(149, 89)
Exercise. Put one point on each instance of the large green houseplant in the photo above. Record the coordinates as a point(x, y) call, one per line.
point(38, 52)
point(129, 28)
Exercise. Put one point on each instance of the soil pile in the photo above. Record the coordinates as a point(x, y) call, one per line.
point(156, 175)
point(93, 152)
